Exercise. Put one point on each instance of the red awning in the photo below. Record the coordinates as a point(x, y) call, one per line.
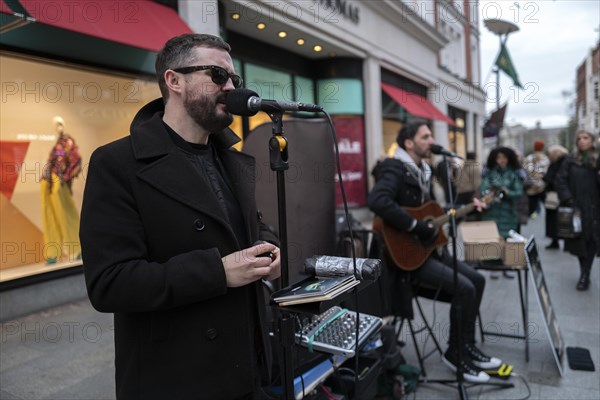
point(139, 23)
point(416, 105)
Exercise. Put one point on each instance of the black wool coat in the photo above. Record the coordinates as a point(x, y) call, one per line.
point(581, 184)
point(395, 188)
point(153, 235)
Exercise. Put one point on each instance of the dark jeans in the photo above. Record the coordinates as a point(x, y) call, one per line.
point(587, 260)
point(535, 202)
point(438, 273)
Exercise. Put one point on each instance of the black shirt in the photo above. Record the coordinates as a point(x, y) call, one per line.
point(206, 161)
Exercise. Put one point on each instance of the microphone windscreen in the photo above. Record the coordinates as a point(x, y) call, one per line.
point(436, 149)
point(237, 101)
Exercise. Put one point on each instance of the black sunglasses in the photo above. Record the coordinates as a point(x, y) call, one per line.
point(218, 74)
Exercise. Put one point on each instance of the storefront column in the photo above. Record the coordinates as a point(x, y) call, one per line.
point(373, 115)
point(440, 129)
point(201, 16)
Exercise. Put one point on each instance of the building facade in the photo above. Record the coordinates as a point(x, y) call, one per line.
point(73, 75)
point(379, 62)
point(587, 106)
point(372, 65)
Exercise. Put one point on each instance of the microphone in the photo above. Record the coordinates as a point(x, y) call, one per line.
point(246, 102)
point(437, 149)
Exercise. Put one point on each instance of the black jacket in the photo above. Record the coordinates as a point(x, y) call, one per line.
point(153, 234)
point(581, 184)
point(395, 188)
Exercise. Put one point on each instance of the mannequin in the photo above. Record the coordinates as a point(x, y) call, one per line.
point(60, 218)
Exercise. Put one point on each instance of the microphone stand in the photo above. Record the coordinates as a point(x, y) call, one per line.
point(278, 158)
point(462, 392)
point(459, 312)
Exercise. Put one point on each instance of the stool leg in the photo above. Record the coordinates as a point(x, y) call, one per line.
point(481, 333)
point(398, 332)
point(412, 333)
point(437, 345)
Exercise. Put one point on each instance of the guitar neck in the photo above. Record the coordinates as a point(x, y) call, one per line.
point(442, 219)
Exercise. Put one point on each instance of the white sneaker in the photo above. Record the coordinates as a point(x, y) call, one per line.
point(481, 360)
point(470, 372)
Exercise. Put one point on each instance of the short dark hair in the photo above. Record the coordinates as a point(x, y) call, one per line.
point(409, 130)
point(176, 53)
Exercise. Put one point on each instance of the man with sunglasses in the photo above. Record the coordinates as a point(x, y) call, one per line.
point(168, 230)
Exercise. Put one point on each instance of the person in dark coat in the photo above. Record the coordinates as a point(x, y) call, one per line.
point(578, 185)
point(168, 224)
point(556, 154)
point(405, 181)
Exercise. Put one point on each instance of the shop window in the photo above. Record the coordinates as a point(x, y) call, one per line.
point(53, 117)
point(304, 90)
point(341, 96)
point(457, 134)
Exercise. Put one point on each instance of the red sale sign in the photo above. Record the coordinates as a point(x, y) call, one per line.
point(351, 143)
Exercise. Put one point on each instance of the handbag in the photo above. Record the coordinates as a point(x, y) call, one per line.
point(551, 202)
point(568, 222)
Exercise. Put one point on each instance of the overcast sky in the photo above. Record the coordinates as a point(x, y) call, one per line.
point(553, 39)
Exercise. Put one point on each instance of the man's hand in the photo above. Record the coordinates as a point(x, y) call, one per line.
point(425, 231)
point(479, 205)
point(246, 266)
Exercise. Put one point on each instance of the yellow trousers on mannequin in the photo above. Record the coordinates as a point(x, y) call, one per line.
point(60, 221)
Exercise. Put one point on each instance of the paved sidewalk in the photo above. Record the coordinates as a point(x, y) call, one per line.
point(67, 352)
point(578, 315)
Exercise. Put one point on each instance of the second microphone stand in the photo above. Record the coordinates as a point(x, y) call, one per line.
point(462, 392)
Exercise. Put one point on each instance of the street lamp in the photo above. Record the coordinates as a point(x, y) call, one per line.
point(502, 29)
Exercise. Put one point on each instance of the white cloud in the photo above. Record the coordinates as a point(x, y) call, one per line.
point(554, 38)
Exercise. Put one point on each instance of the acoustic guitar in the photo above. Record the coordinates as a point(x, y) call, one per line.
point(404, 249)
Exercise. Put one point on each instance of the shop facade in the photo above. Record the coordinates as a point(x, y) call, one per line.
point(371, 65)
point(73, 75)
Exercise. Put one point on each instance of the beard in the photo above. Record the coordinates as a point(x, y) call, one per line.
point(203, 110)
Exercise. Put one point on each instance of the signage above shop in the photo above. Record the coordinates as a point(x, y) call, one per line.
point(343, 7)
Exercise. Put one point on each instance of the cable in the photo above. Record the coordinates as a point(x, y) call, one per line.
point(341, 381)
point(327, 392)
point(352, 247)
point(435, 300)
point(303, 388)
point(522, 378)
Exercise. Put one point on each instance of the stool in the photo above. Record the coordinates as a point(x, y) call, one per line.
point(523, 296)
point(411, 294)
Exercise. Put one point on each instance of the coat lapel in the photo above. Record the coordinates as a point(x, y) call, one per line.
point(175, 176)
point(168, 170)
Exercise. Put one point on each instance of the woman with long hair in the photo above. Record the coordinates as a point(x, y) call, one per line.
point(502, 175)
point(578, 185)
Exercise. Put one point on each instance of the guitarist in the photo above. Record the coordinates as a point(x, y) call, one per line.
point(405, 181)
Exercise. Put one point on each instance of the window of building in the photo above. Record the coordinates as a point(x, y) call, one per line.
point(457, 134)
point(43, 102)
